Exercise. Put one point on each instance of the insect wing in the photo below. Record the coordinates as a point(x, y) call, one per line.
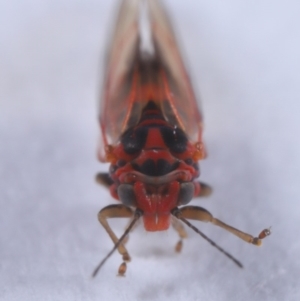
point(181, 108)
point(120, 55)
point(135, 75)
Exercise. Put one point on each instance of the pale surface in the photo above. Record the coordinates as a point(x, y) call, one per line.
point(245, 59)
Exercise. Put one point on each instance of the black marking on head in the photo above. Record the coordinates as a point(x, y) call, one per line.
point(186, 193)
point(196, 166)
point(164, 167)
point(189, 161)
point(127, 195)
point(121, 163)
point(148, 168)
point(134, 139)
point(159, 168)
point(174, 138)
point(136, 167)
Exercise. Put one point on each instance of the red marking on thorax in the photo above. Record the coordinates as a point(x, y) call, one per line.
point(154, 139)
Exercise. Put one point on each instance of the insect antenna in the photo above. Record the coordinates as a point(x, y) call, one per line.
point(138, 213)
point(211, 242)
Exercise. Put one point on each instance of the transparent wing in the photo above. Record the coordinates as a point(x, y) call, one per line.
point(181, 108)
point(140, 69)
point(120, 56)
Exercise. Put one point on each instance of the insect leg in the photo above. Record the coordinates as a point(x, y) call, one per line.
point(205, 190)
point(119, 243)
point(103, 178)
point(200, 214)
point(178, 226)
point(115, 211)
point(125, 240)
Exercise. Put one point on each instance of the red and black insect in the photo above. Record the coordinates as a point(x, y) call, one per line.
point(151, 132)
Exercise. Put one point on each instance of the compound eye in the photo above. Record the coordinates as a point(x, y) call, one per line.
point(127, 195)
point(186, 193)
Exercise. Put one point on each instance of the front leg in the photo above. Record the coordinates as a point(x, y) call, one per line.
point(115, 211)
point(200, 214)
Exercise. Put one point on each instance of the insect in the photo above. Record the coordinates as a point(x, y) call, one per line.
point(151, 130)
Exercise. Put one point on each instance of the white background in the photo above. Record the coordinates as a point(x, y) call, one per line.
point(245, 60)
